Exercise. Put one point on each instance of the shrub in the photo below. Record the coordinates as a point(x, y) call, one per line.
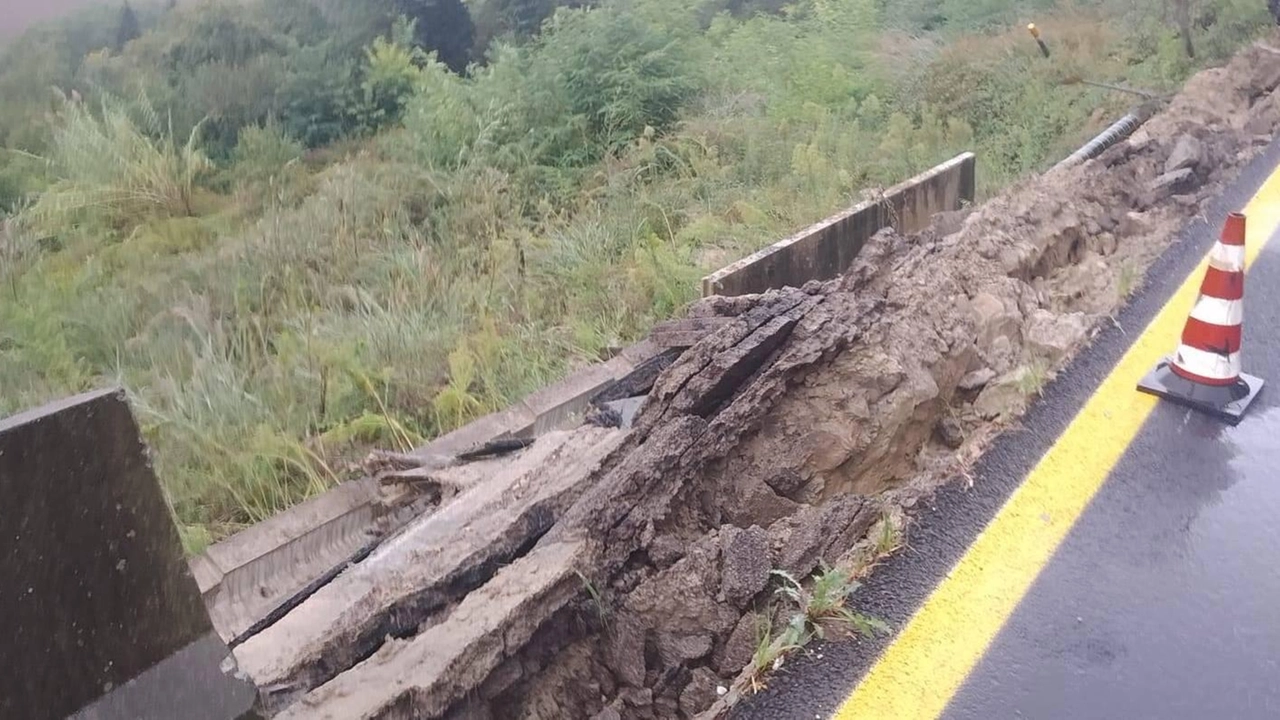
point(112, 171)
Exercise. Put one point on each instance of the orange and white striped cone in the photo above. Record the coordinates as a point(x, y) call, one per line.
point(1204, 372)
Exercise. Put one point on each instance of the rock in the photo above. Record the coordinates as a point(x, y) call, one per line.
point(700, 693)
point(993, 319)
point(986, 307)
point(677, 650)
point(845, 521)
point(1265, 76)
point(624, 649)
point(636, 697)
point(1001, 354)
point(949, 222)
point(817, 534)
point(740, 646)
point(681, 600)
point(1175, 182)
point(1188, 153)
point(666, 705)
point(977, 379)
point(756, 503)
point(1135, 223)
point(1140, 139)
point(785, 482)
point(802, 542)
point(608, 713)
point(1105, 244)
point(1053, 337)
point(1003, 397)
point(666, 550)
point(746, 564)
point(949, 432)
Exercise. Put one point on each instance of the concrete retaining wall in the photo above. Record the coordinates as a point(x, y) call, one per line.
point(826, 249)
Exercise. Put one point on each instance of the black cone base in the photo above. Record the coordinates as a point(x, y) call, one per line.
point(1227, 403)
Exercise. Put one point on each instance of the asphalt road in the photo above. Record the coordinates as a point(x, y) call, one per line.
point(1161, 600)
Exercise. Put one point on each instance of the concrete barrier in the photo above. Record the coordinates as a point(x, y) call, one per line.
point(99, 614)
point(826, 249)
point(247, 576)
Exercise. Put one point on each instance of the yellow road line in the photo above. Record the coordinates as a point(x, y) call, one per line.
point(926, 664)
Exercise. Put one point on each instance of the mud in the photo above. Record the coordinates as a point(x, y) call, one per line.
point(777, 441)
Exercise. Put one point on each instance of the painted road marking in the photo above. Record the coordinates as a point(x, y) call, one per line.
point(923, 668)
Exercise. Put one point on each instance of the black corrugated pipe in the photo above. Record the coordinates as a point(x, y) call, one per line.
point(1120, 130)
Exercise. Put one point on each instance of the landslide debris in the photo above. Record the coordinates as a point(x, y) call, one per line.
point(626, 572)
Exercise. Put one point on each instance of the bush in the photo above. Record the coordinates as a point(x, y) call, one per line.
point(593, 82)
point(390, 77)
point(619, 74)
point(112, 172)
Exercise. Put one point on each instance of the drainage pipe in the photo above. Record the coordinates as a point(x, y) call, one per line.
point(1120, 130)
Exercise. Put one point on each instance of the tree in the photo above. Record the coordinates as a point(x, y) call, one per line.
point(390, 75)
point(617, 73)
point(127, 30)
point(443, 26)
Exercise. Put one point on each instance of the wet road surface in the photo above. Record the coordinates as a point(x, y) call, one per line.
point(1164, 600)
point(1156, 597)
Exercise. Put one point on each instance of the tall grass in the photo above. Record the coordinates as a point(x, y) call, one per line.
point(115, 166)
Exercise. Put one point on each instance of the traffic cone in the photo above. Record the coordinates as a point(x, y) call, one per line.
point(1204, 372)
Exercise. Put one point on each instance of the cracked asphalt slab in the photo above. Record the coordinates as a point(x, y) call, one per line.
point(1158, 603)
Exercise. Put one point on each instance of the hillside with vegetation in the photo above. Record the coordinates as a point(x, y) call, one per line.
point(293, 229)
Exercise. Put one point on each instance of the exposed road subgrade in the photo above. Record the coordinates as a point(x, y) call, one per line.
point(1189, 516)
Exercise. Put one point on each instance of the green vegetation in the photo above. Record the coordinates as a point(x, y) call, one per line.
point(295, 229)
point(824, 602)
point(818, 608)
point(771, 650)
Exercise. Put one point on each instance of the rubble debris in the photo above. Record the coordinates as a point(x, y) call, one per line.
point(424, 676)
point(1187, 154)
point(639, 381)
point(417, 575)
point(746, 564)
point(499, 446)
point(684, 333)
point(1175, 181)
point(606, 416)
point(950, 432)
